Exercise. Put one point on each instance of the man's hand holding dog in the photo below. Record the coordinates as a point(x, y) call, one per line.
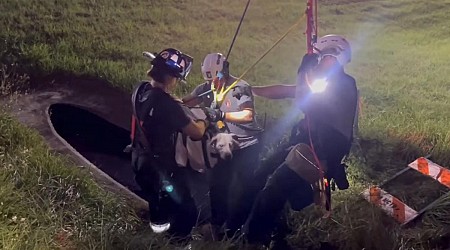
point(214, 115)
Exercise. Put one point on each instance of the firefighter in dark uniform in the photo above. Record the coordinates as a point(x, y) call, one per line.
point(327, 96)
point(158, 117)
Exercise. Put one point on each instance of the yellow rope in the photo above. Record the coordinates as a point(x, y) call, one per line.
point(218, 97)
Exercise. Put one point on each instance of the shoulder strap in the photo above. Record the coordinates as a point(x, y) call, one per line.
point(205, 152)
point(136, 92)
point(259, 129)
point(184, 140)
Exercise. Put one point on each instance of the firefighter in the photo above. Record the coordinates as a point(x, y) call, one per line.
point(232, 183)
point(158, 117)
point(327, 96)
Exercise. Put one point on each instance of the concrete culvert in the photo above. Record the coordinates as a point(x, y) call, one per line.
point(86, 121)
point(98, 140)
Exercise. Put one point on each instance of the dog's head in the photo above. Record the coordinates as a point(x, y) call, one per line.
point(223, 144)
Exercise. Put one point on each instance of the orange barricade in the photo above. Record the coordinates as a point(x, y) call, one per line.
point(394, 206)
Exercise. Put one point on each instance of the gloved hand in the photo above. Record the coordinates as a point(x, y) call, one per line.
point(214, 115)
point(239, 91)
point(309, 61)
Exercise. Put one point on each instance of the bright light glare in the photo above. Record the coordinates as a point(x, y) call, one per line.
point(319, 85)
point(169, 188)
point(160, 228)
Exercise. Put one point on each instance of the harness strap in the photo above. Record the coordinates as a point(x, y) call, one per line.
point(205, 153)
point(323, 182)
point(184, 138)
point(246, 128)
point(136, 122)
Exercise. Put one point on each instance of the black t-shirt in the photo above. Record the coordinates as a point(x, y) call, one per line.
point(331, 115)
point(162, 118)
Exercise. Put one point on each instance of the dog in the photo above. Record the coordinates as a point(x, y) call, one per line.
point(223, 144)
point(201, 154)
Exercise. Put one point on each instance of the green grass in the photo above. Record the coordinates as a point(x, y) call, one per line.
point(400, 61)
point(45, 205)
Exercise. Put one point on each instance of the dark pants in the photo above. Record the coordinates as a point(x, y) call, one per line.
point(233, 188)
point(165, 205)
point(199, 188)
point(283, 186)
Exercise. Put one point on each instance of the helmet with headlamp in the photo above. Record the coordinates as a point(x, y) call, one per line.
point(173, 62)
point(336, 46)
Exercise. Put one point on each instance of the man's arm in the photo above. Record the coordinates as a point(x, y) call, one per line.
point(182, 120)
point(243, 116)
point(277, 91)
point(195, 129)
point(192, 99)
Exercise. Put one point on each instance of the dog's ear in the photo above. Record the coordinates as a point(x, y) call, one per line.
point(213, 142)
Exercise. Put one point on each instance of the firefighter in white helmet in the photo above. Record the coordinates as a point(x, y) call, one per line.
point(232, 184)
point(327, 96)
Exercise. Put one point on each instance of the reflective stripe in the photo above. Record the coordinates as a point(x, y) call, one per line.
point(432, 169)
point(395, 207)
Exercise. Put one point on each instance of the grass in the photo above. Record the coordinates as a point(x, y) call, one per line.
point(399, 60)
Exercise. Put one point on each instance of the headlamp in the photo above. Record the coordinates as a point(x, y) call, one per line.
point(318, 85)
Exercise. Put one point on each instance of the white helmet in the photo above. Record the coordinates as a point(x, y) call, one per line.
point(212, 65)
point(334, 45)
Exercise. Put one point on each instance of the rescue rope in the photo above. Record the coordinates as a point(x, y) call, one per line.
point(237, 30)
point(315, 17)
point(311, 39)
point(218, 97)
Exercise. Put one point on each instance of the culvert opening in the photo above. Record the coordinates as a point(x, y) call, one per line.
point(99, 141)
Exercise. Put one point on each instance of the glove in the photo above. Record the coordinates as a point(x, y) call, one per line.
point(309, 61)
point(239, 91)
point(214, 115)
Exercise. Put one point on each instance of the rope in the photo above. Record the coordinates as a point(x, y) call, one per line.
point(316, 23)
point(218, 97)
point(237, 30)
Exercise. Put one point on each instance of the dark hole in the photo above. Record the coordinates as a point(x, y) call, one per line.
point(98, 140)
point(425, 191)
